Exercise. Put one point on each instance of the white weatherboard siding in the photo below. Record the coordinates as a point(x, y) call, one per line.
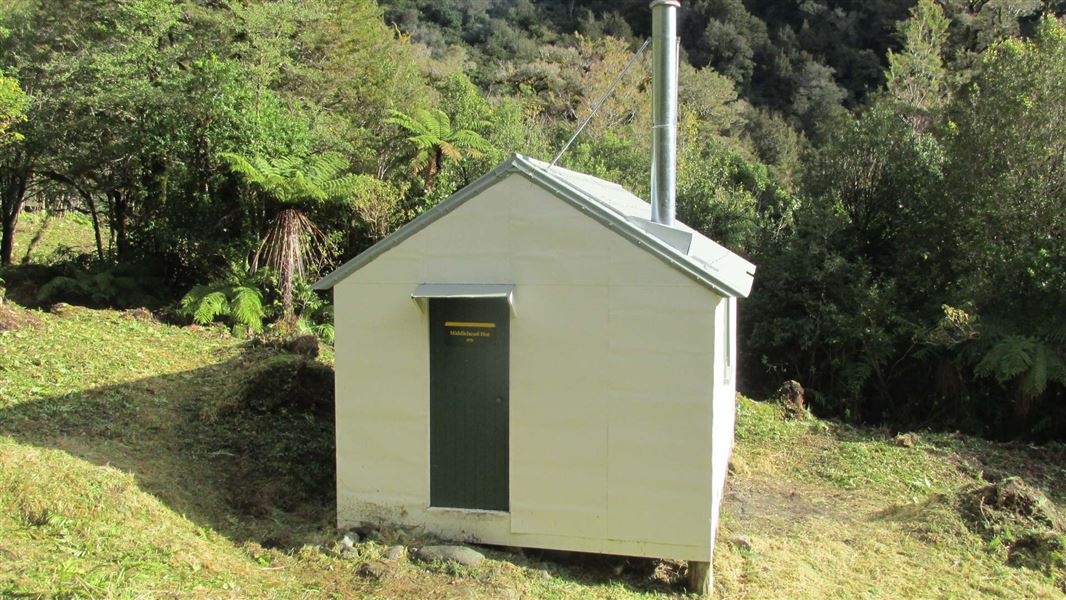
point(725, 406)
point(612, 375)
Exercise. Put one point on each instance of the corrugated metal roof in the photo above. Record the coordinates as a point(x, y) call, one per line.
point(609, 203)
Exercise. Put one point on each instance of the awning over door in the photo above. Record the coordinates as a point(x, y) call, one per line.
point(426, 291)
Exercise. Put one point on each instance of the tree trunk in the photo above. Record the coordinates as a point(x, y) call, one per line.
point(1022, 412)
point(7, 241)
point(90, 203)
point(120, 209)
point(12, 196)
point(432, 169)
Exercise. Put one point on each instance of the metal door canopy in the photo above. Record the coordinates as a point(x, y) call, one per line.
point(425, 291)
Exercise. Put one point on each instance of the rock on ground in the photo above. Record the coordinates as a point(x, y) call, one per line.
point(375, 569)
point(395, 552)
point(467, 557)
point(742, 542)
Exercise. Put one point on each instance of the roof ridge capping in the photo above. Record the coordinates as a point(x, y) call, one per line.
point(612, 205)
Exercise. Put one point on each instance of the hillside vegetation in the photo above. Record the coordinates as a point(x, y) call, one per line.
point(143, 459)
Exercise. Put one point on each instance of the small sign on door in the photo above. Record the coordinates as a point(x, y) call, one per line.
point(468, 332)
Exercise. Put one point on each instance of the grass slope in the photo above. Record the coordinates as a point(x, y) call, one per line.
point(838, 512)
point(132, 464)
point(52, 237)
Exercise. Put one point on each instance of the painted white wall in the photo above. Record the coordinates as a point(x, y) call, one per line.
point(725, 406)
point(613, 358)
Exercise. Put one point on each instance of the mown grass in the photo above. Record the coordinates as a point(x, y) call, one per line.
point(833, 511)
point(140, 460)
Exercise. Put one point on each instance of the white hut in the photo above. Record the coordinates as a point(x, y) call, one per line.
point(536, 363)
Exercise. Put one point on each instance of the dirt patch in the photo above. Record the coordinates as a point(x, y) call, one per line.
point(13, 318)
point(773, 505)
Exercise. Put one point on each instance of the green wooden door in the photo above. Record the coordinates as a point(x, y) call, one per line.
point(468, 431)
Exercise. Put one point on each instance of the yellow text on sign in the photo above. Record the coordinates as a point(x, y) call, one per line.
point(469, 334)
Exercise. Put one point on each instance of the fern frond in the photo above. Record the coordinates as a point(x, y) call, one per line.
point(246, 307)
point(449, 151)
point(325, 332)
point(1008, 358)
point(1047, 366)
point(420, 161)
point(403, 121)
point(210, 307)
point(192, 298)
point(471, 140)
point(326, 166)
point(423, 141)
point(442, 122)
point(243, 167)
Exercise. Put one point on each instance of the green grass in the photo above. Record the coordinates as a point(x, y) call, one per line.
point(60, 237)
point(139, 459)
point(839, 512)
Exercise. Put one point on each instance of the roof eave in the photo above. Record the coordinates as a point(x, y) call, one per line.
point(568, 193)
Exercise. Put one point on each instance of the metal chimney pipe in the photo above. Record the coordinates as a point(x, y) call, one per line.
point(664, 46)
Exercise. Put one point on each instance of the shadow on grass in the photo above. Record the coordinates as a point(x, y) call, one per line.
point(244, 461)
point(246, 447)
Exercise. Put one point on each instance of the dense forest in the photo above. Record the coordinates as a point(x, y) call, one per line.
point(896, 169)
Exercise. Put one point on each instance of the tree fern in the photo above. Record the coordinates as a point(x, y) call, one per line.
point(1027, 360)
point(1008, 358)
point(434, 140)
point(292, 241)
point(241, 306)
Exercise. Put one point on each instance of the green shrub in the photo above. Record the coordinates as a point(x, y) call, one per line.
point(102, 285)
